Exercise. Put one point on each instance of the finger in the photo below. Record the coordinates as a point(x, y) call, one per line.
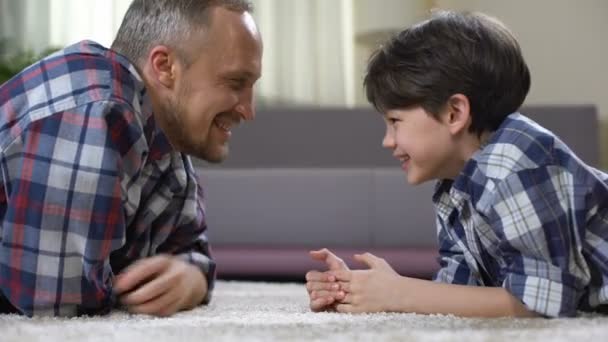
point(139, 272)
point(320, 304)
point(342, 276)
point(348, 299)
point(316, 286)
point(320, 254)
point(345, 308)
point(339, 295)
point(332, 261)
point(370, 260)
point(163, 306)
point(320, 276)
point(148, 291)
point(345, 286)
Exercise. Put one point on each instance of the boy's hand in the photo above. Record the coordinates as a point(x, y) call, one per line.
point(372, 290)
point(323, 289)
point(160, 286)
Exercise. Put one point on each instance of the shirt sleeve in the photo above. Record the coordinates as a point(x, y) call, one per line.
point(454, 268)
point(63, 180)
point(534, 213)
point(188, 240)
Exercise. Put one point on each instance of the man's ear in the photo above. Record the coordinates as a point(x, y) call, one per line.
point(458, 113)
point(162, 65)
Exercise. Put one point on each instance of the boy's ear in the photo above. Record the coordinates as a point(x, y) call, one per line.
point(458, 113)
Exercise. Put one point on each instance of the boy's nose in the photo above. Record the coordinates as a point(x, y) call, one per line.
point(388, 141)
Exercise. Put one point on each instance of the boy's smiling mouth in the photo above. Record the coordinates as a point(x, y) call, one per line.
point(404, 161)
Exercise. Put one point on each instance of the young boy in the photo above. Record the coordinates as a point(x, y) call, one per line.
point(522, 222)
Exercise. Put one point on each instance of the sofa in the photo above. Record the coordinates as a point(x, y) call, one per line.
point(305, 178)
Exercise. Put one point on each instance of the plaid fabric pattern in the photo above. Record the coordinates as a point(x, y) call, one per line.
point(89, 184)
point(528, 215)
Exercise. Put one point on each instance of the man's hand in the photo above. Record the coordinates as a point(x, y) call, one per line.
point(323, 289)
point(160, 286)
point(373, 290)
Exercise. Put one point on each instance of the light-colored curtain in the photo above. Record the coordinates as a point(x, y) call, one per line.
point(38, 24)
point(24, 24)
point(314, 50)
point(307, 51)
point(75, 20)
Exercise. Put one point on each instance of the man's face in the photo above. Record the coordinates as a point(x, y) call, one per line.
point(215, 92)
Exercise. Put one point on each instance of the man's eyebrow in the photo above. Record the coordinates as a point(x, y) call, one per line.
point(244, 74)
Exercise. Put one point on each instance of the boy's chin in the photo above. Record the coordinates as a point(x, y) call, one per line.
point(416, 179)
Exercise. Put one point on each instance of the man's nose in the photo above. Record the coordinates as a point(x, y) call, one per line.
point(246, 106)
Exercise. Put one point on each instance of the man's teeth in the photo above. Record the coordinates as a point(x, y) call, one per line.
point(225, 127)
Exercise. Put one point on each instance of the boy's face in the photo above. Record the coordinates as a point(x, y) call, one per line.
point(424, 145)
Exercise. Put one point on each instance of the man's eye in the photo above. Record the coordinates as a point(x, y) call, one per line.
point(237, 84)
point(392, 121)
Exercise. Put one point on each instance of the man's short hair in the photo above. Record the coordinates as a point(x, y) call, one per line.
point(167, 22)
point(451, 53)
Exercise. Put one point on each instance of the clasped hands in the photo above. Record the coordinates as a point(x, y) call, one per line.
point(352, 291)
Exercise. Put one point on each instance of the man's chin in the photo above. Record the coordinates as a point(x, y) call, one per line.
point(214, 160)
point(214, 157)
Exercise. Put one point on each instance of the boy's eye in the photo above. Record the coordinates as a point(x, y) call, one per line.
point(392, 121)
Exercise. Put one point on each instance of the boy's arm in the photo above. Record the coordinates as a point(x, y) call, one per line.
point(540, 217)
point(429, 297)
point(380, 288)
point(454, 267)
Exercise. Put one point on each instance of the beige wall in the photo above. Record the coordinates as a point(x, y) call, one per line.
point(374, 22)
point(565, 43)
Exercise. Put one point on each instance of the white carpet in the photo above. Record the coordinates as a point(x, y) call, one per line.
point(272, 311)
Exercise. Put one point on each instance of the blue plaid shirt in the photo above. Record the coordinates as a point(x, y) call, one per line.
point(528, 215)
point(89, 184)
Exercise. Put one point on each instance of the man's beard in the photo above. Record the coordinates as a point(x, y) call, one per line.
point(172, 114)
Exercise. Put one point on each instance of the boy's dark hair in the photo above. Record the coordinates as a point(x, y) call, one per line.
point(451, 53)
point(167, 22)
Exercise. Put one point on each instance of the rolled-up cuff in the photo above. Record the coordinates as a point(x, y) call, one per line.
point(543, 296)
point(207, 266)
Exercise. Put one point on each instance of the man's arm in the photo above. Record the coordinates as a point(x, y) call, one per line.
point(161, 285)
point(183, 275)
point(64, 213)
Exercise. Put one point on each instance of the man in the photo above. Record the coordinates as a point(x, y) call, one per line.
point(99, 201)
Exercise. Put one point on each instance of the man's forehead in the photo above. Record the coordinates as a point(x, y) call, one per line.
point(250, 23)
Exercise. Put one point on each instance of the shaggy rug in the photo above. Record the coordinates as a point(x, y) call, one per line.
point(255, 311)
